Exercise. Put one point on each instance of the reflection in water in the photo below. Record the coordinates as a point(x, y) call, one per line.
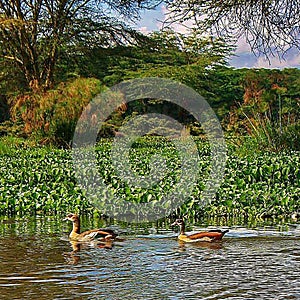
point(247, 264)
point(74, 256)
point(205, 245)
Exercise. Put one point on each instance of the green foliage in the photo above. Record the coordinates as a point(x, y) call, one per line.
point(270, 110)
point(164, 54)
point(269, 136)
point(43, 181)
point(262, 186)
point(194, 60)
point(36, 37)
point(9, 144)
point(38, 181)
point(51, 117)
point(260, 103)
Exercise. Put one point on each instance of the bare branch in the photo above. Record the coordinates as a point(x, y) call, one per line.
point(269, 26)
point(13, 58)
point(35, 32)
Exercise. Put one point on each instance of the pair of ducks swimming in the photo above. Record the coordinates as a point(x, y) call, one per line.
point(109, 235)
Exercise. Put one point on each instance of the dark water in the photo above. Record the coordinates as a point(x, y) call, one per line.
point(38, 262)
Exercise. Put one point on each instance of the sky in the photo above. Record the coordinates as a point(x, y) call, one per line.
point(243, 58)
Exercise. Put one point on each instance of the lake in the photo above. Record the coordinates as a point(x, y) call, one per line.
point(37, 261)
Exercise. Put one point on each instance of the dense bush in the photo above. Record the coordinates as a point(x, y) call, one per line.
point(50, 117)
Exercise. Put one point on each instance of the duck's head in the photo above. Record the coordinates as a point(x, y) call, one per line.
point(71, 217)
point(295, 216)
point(178, 222)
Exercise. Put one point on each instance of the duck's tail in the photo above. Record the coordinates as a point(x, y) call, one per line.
point(109, 231)
point(221, 231)
point(225, 231)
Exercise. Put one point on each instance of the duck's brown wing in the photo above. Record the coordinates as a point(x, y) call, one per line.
point(97, 234)
point(108, 232)
point(213, 235)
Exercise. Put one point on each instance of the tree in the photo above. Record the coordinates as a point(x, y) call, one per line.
point(167, 54)
point(34, 33)
point(269, 27)
point(192, 59)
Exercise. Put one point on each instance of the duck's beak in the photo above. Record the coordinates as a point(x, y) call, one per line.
point(65, 219)
point(173, 224)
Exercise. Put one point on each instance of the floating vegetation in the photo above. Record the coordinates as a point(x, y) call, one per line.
point(42, 181)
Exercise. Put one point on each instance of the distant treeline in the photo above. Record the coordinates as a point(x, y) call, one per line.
point(260, 103)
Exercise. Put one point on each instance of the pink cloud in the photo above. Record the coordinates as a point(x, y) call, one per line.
point(291, 60)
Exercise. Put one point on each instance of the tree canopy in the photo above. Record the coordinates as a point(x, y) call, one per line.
point(34, 33)
point(168, 54)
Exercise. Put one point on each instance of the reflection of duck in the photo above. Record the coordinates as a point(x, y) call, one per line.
point(90, 235)
point(73, 257)
point(200, 244)
point(207, 236)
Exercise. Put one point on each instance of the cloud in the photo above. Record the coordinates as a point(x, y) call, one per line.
point(181, 27)
point(249, 60)
point(243, 60)
point(242, 46)
point(144, 30)
point(153, 20)
point(291, 60)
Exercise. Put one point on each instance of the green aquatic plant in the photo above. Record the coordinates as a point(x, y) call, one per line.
point(42, 180)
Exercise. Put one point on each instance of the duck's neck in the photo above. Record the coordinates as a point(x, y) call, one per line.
point(76, 227)
point(182, 228)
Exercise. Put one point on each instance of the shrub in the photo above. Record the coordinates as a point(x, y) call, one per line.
point(51, 116)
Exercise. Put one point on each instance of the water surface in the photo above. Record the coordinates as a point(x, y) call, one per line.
point(38, 262)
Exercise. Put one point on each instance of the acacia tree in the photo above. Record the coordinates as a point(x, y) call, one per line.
point(33, 33)
point(269, 26)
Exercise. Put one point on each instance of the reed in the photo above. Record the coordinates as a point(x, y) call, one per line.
point(50, 117)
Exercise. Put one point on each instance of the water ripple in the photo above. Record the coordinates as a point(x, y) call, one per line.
point(248, 264)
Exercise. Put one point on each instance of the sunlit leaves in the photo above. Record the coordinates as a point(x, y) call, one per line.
point(43, 181)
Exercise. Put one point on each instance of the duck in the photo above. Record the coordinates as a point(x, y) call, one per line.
point(206, 236)
point(90, 235)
